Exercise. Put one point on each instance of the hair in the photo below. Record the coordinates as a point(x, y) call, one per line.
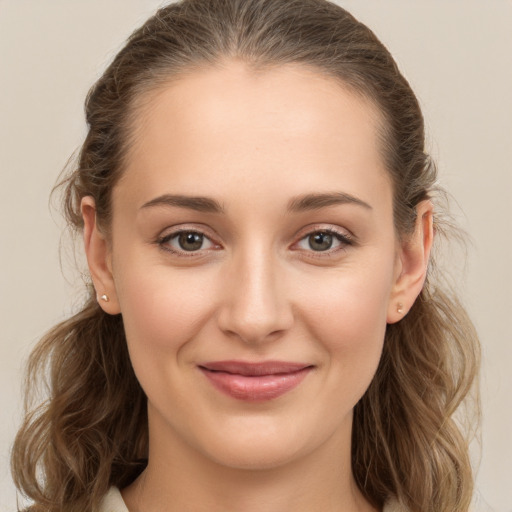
point(91, 431)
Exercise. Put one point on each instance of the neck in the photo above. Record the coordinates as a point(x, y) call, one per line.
point(179, 478)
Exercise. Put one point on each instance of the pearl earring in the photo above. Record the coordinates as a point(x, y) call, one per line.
point(400, 308)
point(105, 297)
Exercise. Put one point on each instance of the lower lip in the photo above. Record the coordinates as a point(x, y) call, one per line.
point(255, 388)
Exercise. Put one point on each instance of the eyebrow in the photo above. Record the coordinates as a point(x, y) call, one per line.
point(197, 203)
point(317, 201)
point(306, 202)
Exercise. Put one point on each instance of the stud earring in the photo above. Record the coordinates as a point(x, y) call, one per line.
point(105, 297)
point(400, 308)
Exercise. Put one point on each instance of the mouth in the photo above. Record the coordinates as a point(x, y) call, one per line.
point(255, 382)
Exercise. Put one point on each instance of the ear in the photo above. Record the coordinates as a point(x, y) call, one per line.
point(99, 259)
point(412, 264)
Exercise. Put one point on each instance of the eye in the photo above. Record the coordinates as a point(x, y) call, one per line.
point(323, 241)
point(186, 241)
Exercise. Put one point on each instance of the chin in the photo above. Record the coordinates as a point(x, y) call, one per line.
point(259, 454)
point(259, 443)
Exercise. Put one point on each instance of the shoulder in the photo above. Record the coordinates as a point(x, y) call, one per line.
point(394, 506)
point(113, 502)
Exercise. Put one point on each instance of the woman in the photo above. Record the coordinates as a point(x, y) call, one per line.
point(263, 330)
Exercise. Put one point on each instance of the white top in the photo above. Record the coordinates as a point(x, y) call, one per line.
point(113, 502)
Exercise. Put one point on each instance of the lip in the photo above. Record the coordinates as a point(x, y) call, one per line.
point(255, 382)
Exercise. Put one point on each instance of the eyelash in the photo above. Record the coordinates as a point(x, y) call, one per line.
point(343, 239)
point(163, 242)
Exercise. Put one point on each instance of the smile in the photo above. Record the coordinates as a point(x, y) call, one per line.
point(255, 382)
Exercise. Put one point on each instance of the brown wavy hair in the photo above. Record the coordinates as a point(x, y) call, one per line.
point(91, 431)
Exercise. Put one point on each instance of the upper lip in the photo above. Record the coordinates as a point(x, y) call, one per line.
point(254, 369)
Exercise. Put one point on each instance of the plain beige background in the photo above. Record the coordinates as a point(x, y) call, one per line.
point(457, 56)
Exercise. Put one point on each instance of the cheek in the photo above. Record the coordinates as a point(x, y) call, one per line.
point(162, 308)
point(348, 318)
point(353, 300)
point(351, 327)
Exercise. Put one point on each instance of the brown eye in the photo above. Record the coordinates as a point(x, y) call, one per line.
point(186, 242)
point(190, 241)
point(324, 241)
point(320, 241)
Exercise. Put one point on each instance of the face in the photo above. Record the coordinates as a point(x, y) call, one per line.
point(254, 261)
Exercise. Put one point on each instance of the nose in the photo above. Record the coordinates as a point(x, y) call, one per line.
point(255, 306)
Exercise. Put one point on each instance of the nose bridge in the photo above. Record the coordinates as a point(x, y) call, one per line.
point(256, 304)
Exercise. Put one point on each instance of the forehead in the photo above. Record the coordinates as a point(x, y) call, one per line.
point(289, 125)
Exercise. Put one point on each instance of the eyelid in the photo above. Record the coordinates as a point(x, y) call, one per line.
point(174, 231)
point(344, 236)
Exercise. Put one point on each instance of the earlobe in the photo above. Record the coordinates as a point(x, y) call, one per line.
point(98, 259)
point(414, 256)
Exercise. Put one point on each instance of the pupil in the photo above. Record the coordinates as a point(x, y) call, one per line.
point(190, 241)
point(320, 241)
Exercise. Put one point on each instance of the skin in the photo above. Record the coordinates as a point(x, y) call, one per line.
point(256, 290)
